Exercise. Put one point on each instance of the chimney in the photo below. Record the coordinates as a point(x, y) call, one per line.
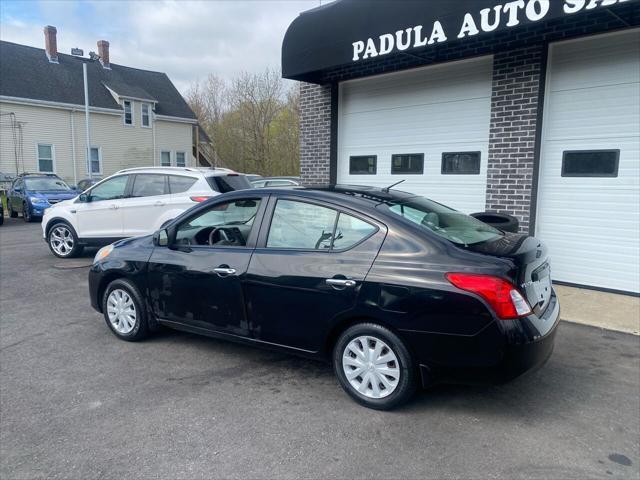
point(51, 43)
point(103, 53)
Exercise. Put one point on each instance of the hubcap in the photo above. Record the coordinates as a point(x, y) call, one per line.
point(121, 311)
point(371, 367)
point(61, 241)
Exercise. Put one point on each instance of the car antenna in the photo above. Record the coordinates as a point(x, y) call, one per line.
point(386, 190)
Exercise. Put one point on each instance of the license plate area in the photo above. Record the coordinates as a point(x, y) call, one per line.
point(541, 283)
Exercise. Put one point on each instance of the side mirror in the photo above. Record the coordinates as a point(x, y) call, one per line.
point(85, 198)
point(161, 238)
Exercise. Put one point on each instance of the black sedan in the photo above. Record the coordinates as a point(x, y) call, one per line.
point(396, 290)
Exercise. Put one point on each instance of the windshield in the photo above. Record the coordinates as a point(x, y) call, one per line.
point(49, 184)
point(444, 221)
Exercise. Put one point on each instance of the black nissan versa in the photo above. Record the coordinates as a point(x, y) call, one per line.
point(396, 290)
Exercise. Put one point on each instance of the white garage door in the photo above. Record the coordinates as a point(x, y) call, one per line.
point(409, 120)
point(589, 194)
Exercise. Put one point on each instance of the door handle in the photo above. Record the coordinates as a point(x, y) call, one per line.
point(159, 204)
point(224, 271)
point(341, 283)
point(113, 206)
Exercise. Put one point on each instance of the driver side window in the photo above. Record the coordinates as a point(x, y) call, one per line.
point(223, 225)
point(110, 189)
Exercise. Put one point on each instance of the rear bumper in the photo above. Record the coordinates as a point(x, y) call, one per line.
point(498, 354)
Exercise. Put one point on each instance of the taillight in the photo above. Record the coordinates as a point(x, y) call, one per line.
point(503, 297)
point(200, 198)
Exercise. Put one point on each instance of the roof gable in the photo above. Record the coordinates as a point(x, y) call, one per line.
point(27, 73)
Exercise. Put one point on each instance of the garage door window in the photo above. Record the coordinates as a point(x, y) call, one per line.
point(407, 164)
point(590, 163)
point(363, 165)
point(461, 163)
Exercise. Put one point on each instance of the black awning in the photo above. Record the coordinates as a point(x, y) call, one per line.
point(347, 32)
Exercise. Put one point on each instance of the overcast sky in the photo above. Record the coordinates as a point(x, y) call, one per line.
point(185, 39)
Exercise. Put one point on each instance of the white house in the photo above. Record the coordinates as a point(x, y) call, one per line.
point(137, 117)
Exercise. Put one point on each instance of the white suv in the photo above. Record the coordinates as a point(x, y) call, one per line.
point(132, 202)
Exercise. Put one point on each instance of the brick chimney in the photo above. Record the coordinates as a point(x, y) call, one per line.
point(51, 43)
point(103, 53)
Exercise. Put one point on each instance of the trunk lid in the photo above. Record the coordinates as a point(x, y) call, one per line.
point(532, 274)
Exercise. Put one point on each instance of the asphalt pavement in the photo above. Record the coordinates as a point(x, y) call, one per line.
point(75, 402)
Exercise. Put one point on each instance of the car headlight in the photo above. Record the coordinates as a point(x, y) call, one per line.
point(103, 253)
point(38, 200)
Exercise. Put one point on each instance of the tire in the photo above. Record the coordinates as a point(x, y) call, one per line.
point(121, 300)
point(501, 221)
point(401, 380)
point(26, 213)
point(63, 241)
point(12, 214)
point(1, 217)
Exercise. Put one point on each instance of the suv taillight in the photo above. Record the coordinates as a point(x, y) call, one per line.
point(503, 297)
point(200, 198)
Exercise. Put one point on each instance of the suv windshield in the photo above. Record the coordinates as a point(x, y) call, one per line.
point(48, 184)
point(446, 222)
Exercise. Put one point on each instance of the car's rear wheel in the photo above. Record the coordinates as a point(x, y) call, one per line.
point(374, 366)
point(124, 311)
point(63, 241)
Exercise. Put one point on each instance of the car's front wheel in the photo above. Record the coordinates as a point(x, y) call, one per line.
point(63, 241)
point(374, 366)
point(26, 213)
point(124, 311)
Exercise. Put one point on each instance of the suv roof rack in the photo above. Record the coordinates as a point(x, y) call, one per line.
point(182, 169)
point(24, 174)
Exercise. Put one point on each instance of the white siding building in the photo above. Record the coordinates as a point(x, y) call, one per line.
point(137, 117)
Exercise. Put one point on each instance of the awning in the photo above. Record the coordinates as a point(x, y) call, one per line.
point(348, 32)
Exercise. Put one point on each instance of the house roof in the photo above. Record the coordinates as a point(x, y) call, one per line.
point(27, 73)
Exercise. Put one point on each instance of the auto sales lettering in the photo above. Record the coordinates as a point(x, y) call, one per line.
point(506, 15)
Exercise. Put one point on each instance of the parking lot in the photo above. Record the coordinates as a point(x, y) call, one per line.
point(78, 403)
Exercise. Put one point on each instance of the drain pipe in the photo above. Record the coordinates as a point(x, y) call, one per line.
point(73, 147)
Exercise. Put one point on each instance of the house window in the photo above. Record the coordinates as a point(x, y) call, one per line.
point(590, 163)
point(363, 165)
point(407, 163)
point(45, 158)
point(165, 159)
point(128, 113)
point(461, 163)
point(180, 159)
point(146, 115)
point(95, 160)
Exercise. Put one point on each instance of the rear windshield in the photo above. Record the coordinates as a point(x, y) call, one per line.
point(46, 184)
point(455, 226)
point(228, 183)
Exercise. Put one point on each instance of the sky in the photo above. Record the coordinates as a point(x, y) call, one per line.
point(185, 39)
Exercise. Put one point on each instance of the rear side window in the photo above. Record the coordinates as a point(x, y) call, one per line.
point(149, 185)
point(350, 231)
point(300, 225)
point(179, 184)
point(408, 164)
point(228, 183)
point(590, 163)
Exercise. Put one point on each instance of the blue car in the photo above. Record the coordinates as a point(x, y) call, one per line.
point(32, 193)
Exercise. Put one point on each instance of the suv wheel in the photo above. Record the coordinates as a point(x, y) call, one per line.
point(124, 311)
point(374, 366)
point(63, 241)
point(26, 213)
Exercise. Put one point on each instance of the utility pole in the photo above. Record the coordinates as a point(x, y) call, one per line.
point(86, 119)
